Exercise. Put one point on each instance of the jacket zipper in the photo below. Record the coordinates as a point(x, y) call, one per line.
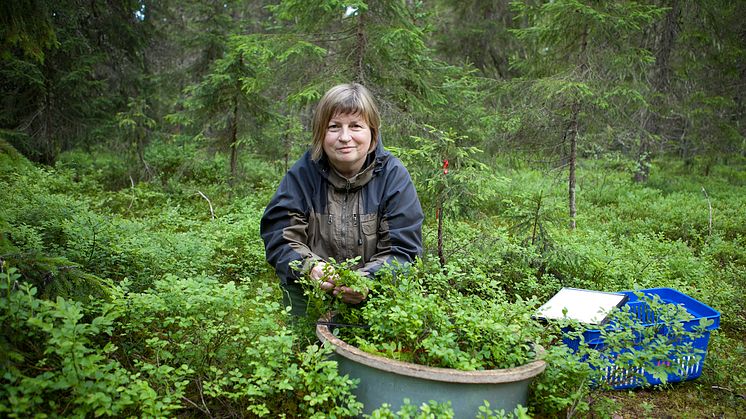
point(344, 212)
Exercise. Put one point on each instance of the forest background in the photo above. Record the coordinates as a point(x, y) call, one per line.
point(590, 144)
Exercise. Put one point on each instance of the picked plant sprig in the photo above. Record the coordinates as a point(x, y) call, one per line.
point(342, 275)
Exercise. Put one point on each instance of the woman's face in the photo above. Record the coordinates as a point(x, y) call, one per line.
point(347, 143)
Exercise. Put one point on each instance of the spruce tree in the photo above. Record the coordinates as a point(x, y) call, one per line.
point(63, 93)
point(232, 98)
point(580, 58)
point(384, 45)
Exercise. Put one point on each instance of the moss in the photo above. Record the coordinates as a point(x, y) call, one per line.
point(11, 161)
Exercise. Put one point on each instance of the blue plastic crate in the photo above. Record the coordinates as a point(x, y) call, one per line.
point(620, 376)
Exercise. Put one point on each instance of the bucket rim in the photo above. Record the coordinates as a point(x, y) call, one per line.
point(495, 376)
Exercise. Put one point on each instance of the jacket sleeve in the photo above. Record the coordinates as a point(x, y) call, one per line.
point(400, 232)
point(284, 229)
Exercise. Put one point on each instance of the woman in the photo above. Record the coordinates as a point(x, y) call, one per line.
point(346, 197)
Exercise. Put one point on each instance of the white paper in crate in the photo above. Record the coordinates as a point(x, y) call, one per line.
point(585, 306)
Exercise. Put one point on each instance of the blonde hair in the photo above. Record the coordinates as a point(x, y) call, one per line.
point(345, 99)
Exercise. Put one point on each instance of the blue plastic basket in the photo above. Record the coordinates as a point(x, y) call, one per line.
point(619, 376)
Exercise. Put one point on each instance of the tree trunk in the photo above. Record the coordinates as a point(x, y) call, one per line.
point(572, 160)
point(48, 146)
point(234, 142)
point(140, 151)
point(535, 227)
point(659, 79)
point(571, 133)
point(287, 160)
point(288, 143)
point(439, 216)
point(49, 153)
point(360, 49)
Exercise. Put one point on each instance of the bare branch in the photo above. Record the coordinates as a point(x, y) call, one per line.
point(212, 213)
point(132, 201)
point(709, 205)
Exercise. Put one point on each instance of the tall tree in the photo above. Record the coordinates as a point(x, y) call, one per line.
point(136, 125)
point(188, 37)
point(581, 58)
point(232, 96)
point(709, 79)
point(26, 25)
point(477, 32)
point(664, 32)
point(383, 45)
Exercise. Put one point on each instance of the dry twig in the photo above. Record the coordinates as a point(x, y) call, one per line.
point(212, 213)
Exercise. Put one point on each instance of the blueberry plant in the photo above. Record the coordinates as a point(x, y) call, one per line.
point(412, 314)
point(650, 337)
point(187, 344)
point(131, 300)
point(341, 274)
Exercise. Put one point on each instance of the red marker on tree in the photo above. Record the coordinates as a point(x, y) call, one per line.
point(445, 166)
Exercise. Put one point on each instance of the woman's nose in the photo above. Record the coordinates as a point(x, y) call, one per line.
point(344, 134)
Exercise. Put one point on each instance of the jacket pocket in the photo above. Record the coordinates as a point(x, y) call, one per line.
point(369, 224)
point(369, 227)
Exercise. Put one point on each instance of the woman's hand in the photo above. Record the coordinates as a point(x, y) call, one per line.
point(327, 282)
point(348, 295)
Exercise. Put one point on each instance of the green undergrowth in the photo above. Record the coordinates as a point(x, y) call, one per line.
point(415, 314)
point(186, 344)
point(133, 292)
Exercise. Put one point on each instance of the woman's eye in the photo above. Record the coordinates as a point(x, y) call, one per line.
point(332, 126)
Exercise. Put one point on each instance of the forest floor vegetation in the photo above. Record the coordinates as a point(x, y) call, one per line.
point(122, 295)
